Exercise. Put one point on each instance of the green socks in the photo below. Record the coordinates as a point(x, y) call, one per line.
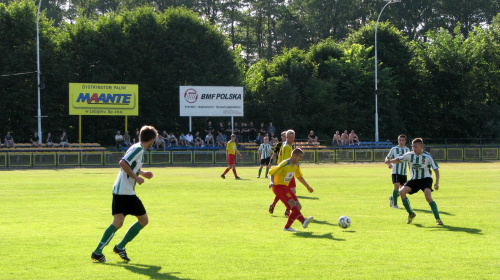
point(267, 170)
point(395, 195)
point(131, 233)
point(260, 171)
point(406, 203)
point(106, 237)
point(434, 209)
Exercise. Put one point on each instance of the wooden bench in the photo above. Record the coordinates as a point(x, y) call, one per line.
point(307, 145)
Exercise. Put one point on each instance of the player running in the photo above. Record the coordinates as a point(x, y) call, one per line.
point(399, 170)
point(281, 176)
point(421, 166)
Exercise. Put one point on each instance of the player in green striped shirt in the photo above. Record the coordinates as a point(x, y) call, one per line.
point(421, 166)
point(399, 173)
point(264, 154)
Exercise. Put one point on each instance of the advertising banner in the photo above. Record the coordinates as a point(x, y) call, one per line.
point(205, 101)
point(103, 99)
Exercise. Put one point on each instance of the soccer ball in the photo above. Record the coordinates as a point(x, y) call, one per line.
point(344, 222)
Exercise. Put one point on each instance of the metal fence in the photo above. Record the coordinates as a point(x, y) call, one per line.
point(218, 157)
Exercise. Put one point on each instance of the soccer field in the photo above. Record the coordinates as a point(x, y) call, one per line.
point(204, 227)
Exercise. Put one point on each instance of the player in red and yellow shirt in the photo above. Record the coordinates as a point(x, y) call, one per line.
point(231, 151)
point(281, 176)
point(285, 153)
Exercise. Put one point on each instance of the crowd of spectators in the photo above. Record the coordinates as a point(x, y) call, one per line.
point(36, 141)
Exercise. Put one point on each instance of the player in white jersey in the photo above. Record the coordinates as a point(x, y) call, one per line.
point(421, 166)
point(264, 154)
point(399, 170)
point(125, 201)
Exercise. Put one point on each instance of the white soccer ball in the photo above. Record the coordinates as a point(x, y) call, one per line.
point(344, 222)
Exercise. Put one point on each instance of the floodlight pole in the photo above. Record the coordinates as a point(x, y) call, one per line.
point(38, 72)
point(376, 68)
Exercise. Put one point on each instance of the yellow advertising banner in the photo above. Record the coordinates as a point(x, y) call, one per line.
point(103, 99)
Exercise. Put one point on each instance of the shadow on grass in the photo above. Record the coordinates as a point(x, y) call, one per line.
point(312, 235)
point(452, 228)
point(430, 212)
point(153, 271)
point(324, 223)
point(308, 197)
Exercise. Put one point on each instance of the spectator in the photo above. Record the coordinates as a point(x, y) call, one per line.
point(253, 132)
point(262, 129)
point(311, 138)
point(172, 139)
point(229, 130)
point(9, 140)
point(160, 142)
point(221, 140)
point(189, 139)
point(136, 139)
point(353, 138)
point(259, 139)
point(274, 139)
point(182, 140)
point(271, 129)
point(50, 141)
point(209, 128)
point(198, 142)
point(245, 132)
point(344, 138)
point(126, 139)
point(222, 129)
point(209, 139)
point(119, 140)
point(64, 140)
point(237, 132)
point(36, 140)
point(336, 139)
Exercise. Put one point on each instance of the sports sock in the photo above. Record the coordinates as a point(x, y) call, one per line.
point(227, 170)
point(395, 195)
point(296, 214)
point(260, 170)
point(106, 237)
point(131, 233)
point(434, 209)
point(406, 203)
point(276, 199)
point(267, 170)
point(234, 172)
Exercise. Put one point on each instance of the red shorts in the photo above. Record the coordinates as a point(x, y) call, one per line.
point(284, 194)
point(231, 159)
point(292, 183)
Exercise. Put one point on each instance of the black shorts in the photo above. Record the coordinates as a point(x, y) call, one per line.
point(419, 184)
point(127, 205)
point(265, 161)
point(401, 179)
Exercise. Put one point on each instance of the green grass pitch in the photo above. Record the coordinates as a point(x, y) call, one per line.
point(204, 227)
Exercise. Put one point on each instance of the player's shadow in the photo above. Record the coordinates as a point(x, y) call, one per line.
point(306, 234)
point(153, 271)
point(324, 223)
point(430, 212)
point(308, 197)
point(452, 228)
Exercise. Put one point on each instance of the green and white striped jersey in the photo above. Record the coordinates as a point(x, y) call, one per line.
point(398, 168)
point(124, 184)
point(265, 150)
point(421, 166)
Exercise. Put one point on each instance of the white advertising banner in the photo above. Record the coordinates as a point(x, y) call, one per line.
point(205, 101)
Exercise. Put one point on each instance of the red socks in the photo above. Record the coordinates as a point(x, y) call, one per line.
point(294, 215)
point(234, 171)
point(227, 170)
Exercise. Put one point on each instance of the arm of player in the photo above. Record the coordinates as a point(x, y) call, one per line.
point(271, 181)
point(303, 181)
point(388, 164)
point(394, 160)
point(124, 165)
point(436, 185)
point(146, 174)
